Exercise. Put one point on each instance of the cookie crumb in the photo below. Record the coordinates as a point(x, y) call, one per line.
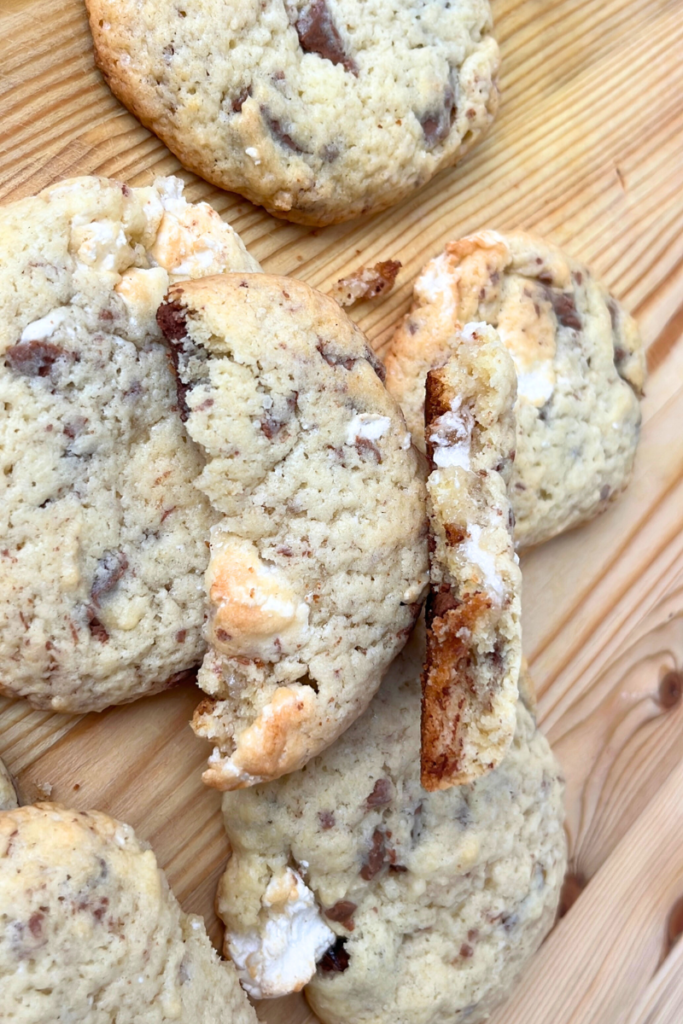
point(366, 283)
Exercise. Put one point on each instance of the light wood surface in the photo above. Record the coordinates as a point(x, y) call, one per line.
point(588, 149)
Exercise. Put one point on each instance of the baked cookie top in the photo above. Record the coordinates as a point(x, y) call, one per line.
point(474, 630)
point(319, 110)
point(92, 932)
point(319, 561)
point(580, 370)
point(8, 794)
point(102, 533)
point(436, 900)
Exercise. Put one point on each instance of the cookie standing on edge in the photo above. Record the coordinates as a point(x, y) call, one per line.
point(319, 560)
point(8, 793)
point(319, 110)
point(436, 901)
point(580, 370)
point(474, 630)
point(102, 532)
point(95, 935)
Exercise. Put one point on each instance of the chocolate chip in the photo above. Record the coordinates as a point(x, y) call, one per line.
point(172, 319)
point(440, 603)
point(35, 358)
point(35, 924)
point(335, 358)
point(336, 958)
point(375, 859)
point(436, 125)
point(75, 427)
point(565, 310)
point(318, 33)
point(110, 568)
point(670, 689)
point(97, 629)
point(466, 951)
point(181, 636)
point(240, 100)
point(279, 133)
point(326, 819)
point(381, 793)
point(368, 449)
point(342, 912)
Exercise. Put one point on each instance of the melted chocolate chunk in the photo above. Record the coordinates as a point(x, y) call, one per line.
point(334, 358)
point(336, 958)
point(375, 859)
point(34, 358)
point(436, 125)
point(565, 310)
point(318, 33)
point(272, 424)
point(172, 319)
point(326, 819)
point(367, 449)
point(97, 628)
point(439, 604)
point(343, 912)
point(240, 100)
point(454, 534)
point(280, 135)
point(381, 793)
point(110, 568)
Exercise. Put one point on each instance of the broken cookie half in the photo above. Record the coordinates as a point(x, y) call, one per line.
point(318, 562)
point(472, 667)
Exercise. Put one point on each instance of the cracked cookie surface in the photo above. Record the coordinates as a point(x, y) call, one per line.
point(436, 901)
point(319, 110)
point(319, 561)
point(92, 932)
point(102, 532)
point(580, 370)
point(474, 644)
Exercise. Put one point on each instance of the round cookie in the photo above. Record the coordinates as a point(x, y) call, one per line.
point(319, 561)
point(92, 933)
point(319, 110)
point(580, 370)
point(436, 900)
point(102, 533)
point(8, 794)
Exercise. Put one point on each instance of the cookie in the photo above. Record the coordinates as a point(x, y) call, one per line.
point(580, 368)
point(8, 794)
point(319, 561)
point(436, 901)
point(319, 110)
point(102, 532)
point(474, 632)
point(92, 932)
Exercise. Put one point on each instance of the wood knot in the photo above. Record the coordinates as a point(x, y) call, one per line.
point(670, 690)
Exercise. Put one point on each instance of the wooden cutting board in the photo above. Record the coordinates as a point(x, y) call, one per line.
point(588, 150)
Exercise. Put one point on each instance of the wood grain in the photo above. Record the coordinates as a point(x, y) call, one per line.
point(588, 149)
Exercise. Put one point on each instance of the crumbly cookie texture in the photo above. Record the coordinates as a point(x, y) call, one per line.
point(92, 933)
point(437, 900)
point(580, 370)
point(103, 536)
point(8, 794)
point(319, 110)
point(319, 562)
point(366, 283)
point(474, 632)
